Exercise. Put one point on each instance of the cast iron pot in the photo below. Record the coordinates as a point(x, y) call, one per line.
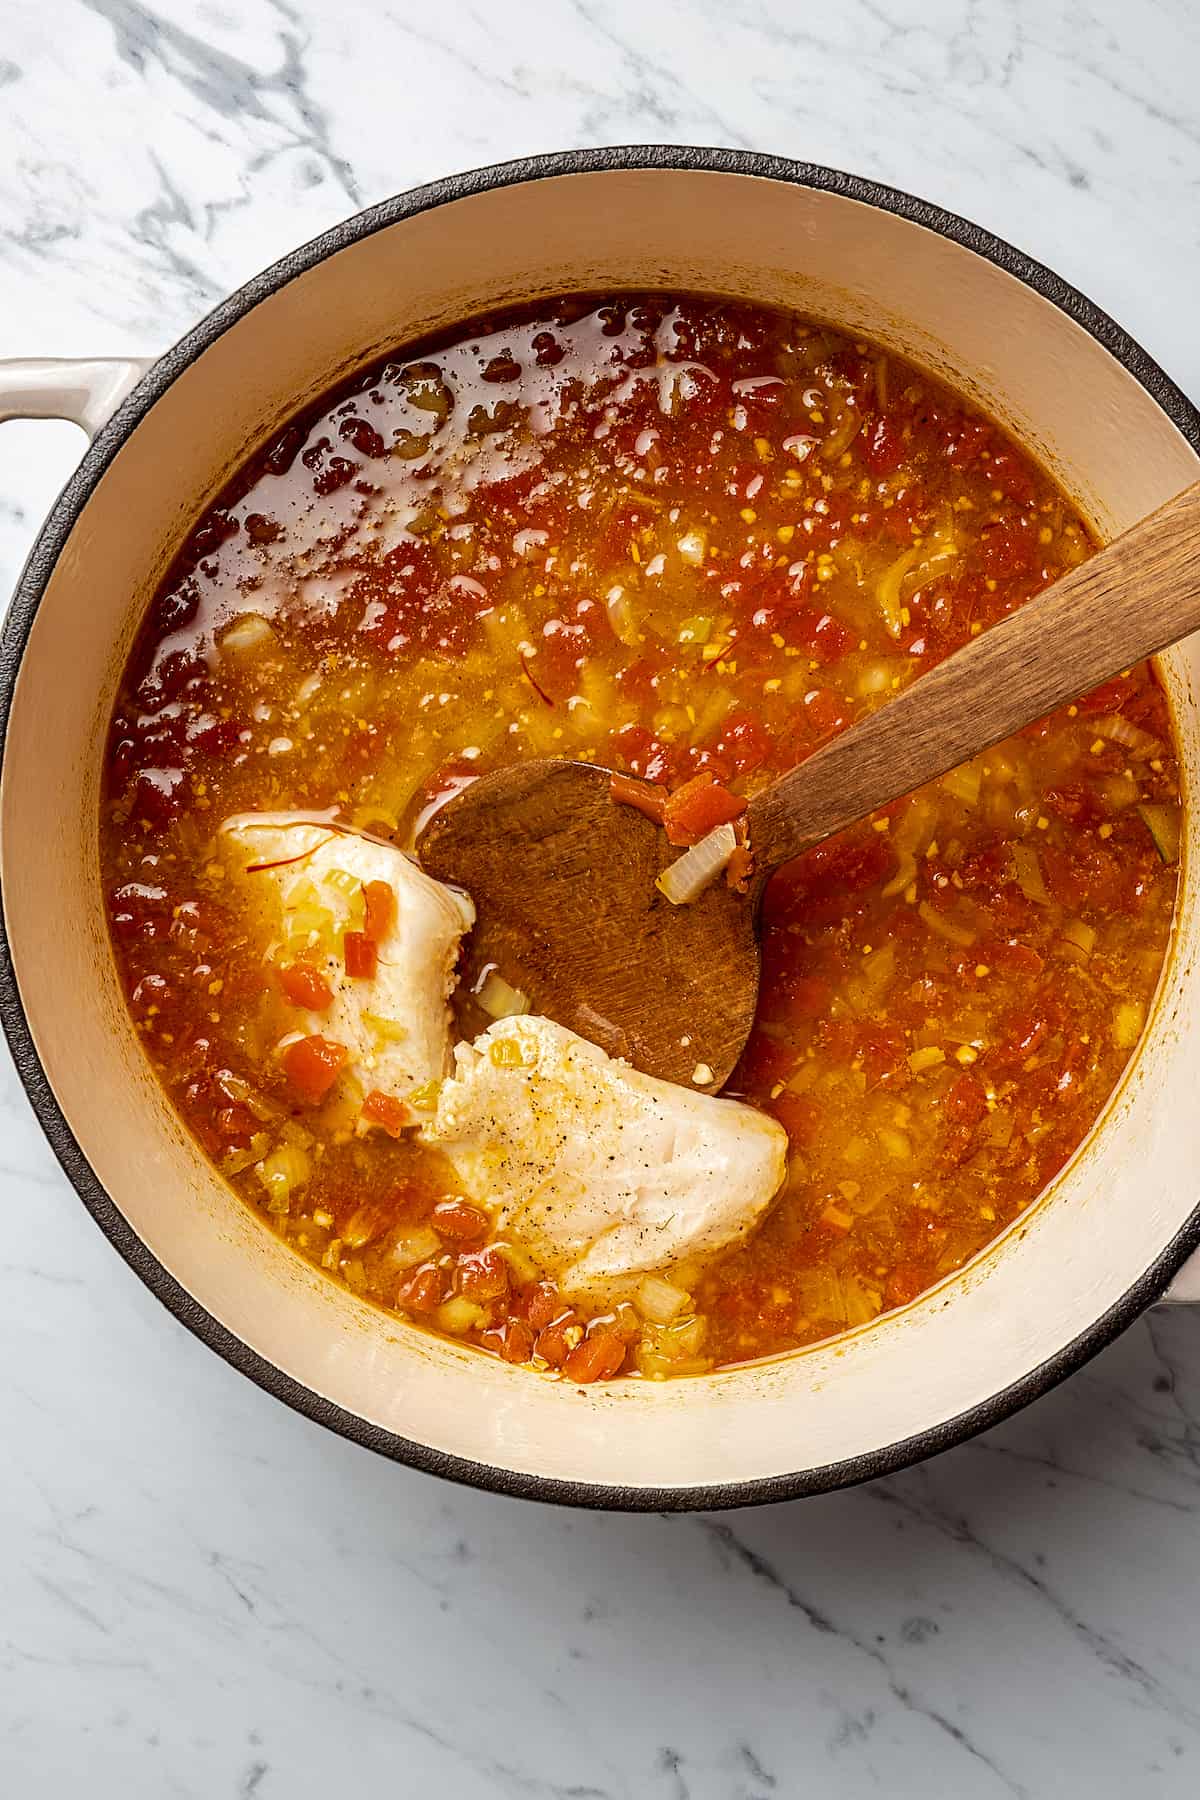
point(1102, 1244)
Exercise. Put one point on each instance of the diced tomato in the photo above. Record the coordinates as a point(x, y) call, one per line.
point(884, 1053)
point(460, 1221)
point(824, 714)
point(312, 1065)
point(1016, 958)
point(698, 807)
point(965, 439)
point(552, 1343)
point(306, 986)
point(838, 1040)
point(598, 1358)
point(739, 870)
point(481, 1276)
point(883, 447)
point(825, 638)
point(517, 1344)
point(1025, 1029)
point(906, 1281)
point(1077, 802)
point(1009, 548)
point(1011, 473)
point(744, 743)
point(423, 1291)
point(965, 1102)
point(380, 901)
point(821, 884)
point(800, 1117)
point(645, 754)
point(764, 1062)
point(361, 956)
point(543, 1305)
point(384, 1110)
point(236, 1123)
point(1066, 879)
point(1109, 697)
point(626, 790)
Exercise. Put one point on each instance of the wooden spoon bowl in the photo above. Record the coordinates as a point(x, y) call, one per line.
point(563, 882)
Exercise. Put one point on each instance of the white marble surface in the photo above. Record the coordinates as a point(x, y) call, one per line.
point(202, 1595)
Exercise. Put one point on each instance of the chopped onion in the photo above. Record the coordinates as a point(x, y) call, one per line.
point(660, 1301)
point(905, 874)
point(619, 608)
point(285, 1169)
point(945, 927)
point(843, 434)
point(458, 1315)
point(1162, 822)
point(875, 678)
point(1119, 791)
point(1029, 874)
point(689, 875)
point(251, 633)
point(921, 558)
point(237, 1160)
point(419, 1245)
point(1120, 730)
point(499, 999)
point(964, 783)
point(1078, 940)
point(1129, 1016)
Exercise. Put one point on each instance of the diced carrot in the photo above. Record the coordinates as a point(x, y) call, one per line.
point(800, 1117)
point(380, 900)
point(698, 807)
point(384, 1110)
point(627, 790)
point(739, 870)
point(459, 1220)
point(543, 1305)
point(362, 958)
point(553, 1344)
point(312, 1065)
point(482, 1275)
point(834, 1219)
point(518, 1342)
point(424, 1291)
point(599, 1357)
point(306, 986)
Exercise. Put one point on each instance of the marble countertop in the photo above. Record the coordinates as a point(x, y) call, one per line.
point(203, 1595)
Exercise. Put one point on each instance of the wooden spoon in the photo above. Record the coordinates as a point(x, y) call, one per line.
point(563, 878)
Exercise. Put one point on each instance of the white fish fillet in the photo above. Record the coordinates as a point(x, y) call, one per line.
point(602, 1174)
point(416, 969)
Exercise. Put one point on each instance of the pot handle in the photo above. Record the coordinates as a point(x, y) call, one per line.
point(1185, 1289)
point(87, 391)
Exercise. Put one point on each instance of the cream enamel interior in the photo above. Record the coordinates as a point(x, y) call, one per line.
point(1116, 1208)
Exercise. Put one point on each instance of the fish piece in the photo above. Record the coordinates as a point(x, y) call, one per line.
point(309, 878)
point(600, 1173)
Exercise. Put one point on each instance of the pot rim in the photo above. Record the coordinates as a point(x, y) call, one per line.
point(22, 611)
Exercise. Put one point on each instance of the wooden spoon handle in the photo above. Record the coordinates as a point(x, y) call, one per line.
point(1132, 598)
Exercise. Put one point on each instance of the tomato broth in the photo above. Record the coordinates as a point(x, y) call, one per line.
point(672, 535)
